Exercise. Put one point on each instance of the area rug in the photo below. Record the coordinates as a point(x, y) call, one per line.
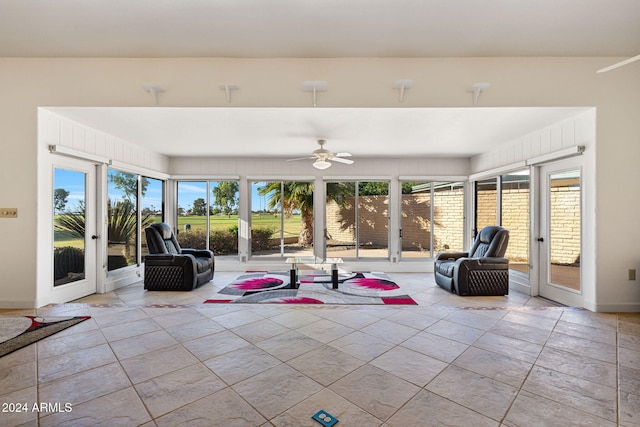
point(315, 288)
point(20, 331)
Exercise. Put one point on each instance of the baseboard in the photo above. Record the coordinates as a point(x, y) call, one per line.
point(18, 304)
point(614, 308)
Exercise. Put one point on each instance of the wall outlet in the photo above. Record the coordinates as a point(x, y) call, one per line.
point(632, 274)
point(8, 212)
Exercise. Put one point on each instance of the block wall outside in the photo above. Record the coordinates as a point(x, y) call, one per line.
point(565, 225)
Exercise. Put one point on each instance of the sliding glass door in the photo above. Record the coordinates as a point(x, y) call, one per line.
point(357, 219)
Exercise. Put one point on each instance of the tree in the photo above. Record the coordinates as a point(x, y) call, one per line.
point(226, 196)
point(128, 183)
point(199, 207)
point(60, 199)
point(298, 196)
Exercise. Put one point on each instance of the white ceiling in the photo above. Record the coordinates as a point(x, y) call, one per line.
point(292, 132)
point(319, 28)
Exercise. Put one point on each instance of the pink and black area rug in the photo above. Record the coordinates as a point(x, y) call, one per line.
point(20, 331)
point(315, 288)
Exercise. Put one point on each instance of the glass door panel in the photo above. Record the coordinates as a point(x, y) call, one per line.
point(152, 207)
point(486, 203)
point(192, 214)
point(122, 219)
point(416, 220)
point(515, 218)
point(561, 233)
point(448, 216)
point(373, 220)
point(223, 221)
point(298, 219)
point(340, 218)
point(69, 221)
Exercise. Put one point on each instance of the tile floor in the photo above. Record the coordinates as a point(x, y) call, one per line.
point(165, 359)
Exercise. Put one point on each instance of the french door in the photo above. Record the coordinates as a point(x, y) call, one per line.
point(74, 252)
point(560, 237)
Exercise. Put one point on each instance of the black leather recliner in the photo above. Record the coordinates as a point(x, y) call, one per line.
point(481, 271)
point(168, 267)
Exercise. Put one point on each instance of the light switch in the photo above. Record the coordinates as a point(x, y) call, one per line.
point(8, 212)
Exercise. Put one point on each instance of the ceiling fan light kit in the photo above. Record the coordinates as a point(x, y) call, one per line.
point(476, 89)
point(321, 164)
point(402, 85)
point(324, 157)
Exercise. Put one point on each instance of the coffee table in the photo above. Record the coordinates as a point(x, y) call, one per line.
point(316, 263)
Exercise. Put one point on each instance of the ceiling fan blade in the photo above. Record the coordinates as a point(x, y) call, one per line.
point(619, 64)
point(342, 155)
point(341, 160)
point(301, 158)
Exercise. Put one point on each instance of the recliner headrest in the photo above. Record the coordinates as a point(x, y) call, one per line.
point(164, 230)
point(488, 233)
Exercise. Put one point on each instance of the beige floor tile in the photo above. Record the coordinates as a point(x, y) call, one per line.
point(288, 345)
point(114, 316)
point(86, 385)
point(604, 336)
point(150, 365)
point(260, 330)
point(355, 319)
point(474, 319)
point(325, 364)
point(295, 319)
point(482, 394)
point(494, 365)
point(579, 366)
point(213, 345)
point(122, 408)
point(18, 370)
point(168, 392)
point(325, 330)
point(224, 408)
point(416, 319)
point(532, 410)
point(390, 331)
point(51, 368)
point(237, 318)
point(417, 368)
point(521, 332)
point(376, 391)
point(190, 331)
point(347, 413)
point(629, 358)
point(141, 344)
point(56, 345)
point(22, 409)
point(435, 346)
point(588, 318)
point(510, 347)
point(629, 409)
point(629, 379)
point(584, 347)
point(455, 331)
point(130, 329)
point(530, 318)
point(179, 317)
point(581, 394)
point(631, 342)
point(429, 409)
point(274, 391)
point(240, 364)
point(363, 346)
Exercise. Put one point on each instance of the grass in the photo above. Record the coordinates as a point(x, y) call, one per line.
point(291, 226)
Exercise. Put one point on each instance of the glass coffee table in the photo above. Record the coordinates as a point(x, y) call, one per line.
point(314, 263)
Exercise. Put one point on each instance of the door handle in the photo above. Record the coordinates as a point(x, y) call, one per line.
point(540, 239)
point(94, 237)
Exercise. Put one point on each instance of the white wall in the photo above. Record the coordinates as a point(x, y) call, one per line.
point(27, 84)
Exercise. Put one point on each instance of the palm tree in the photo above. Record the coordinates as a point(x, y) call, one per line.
point(298, 196)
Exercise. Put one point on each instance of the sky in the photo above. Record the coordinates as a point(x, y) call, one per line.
point(74, 183)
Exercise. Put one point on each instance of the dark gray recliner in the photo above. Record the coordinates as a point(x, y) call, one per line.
point(168, 267)
point(481, 271)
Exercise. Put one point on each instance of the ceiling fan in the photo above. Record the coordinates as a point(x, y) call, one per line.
point(323, 157)
point(619, 64)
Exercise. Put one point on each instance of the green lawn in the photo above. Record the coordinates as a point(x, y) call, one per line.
point(291, 226)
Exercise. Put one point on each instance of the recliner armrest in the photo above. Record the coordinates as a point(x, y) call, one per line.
point(198, 253)
point(485, 263)
point(451, 256)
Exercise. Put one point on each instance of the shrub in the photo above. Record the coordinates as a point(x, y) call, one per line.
point(224, 242)
point(260, 238)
